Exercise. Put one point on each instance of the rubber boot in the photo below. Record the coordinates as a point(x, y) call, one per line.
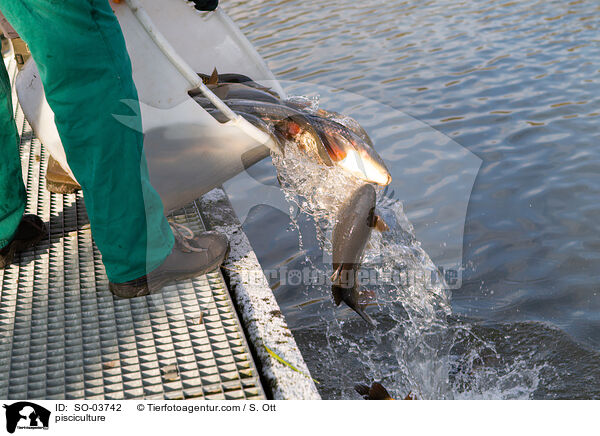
point(192, 255)
point(31, 230)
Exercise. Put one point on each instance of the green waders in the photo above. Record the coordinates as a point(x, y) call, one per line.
point(86, 72)
point(12, 190)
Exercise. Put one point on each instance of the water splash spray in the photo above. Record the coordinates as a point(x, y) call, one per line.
point(413, 310)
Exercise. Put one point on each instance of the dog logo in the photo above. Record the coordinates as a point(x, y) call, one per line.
point(26, 415)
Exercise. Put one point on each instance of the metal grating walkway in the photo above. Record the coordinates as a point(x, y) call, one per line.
point(64, 336)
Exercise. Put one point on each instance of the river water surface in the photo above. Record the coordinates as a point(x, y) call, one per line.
point(487, 113)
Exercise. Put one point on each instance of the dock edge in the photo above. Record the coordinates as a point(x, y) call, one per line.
point(261, 315)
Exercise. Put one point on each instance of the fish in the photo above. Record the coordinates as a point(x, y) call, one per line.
point(252, 119)
point(355, 220)
point(375, 392)
point(215, 78)
point(241, 87)
point(348, 122)
point(238, 91)
point(349, 151)
point(290, 123)
point(378, 392)
point(319, 135)
point(305, 104)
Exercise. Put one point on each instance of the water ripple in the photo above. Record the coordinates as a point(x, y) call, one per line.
point(516, 83)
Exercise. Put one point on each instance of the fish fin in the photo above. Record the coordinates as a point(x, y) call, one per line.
point(379, 224)
point(363, 315)
point(360, 307)
point(336, 274)
point(410, 396)
point(281, 140)
point(214, 78)
point(378, 392)
point(336, 291)
point(220, 91)
point(334, 151)
point(362, 390)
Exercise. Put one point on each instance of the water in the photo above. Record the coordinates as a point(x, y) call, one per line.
point(487, 115)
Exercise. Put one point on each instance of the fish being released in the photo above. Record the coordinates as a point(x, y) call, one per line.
point(288, 122)
point(327, 137)
point(356, 219)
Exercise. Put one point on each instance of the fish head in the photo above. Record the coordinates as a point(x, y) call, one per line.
point(299, 130)
point(359, 159)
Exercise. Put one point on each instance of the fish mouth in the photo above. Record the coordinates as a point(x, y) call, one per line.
point(364, 163)
point(357, 158)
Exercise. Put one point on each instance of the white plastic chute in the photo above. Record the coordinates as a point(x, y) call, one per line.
point(188, 151)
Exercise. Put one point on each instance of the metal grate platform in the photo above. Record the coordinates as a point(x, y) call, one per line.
point(64, 336)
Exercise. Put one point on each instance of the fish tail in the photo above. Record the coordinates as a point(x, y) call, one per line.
point(363, 315)
point(338, 294)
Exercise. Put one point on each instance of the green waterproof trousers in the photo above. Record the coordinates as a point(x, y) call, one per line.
point(86, 72)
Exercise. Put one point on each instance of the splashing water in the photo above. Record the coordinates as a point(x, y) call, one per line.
point(411, 305)
point(308, 104)
point(413, 308)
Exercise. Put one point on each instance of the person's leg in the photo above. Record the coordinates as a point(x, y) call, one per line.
point(84, 66)
point(12, 190)
point(17, 232)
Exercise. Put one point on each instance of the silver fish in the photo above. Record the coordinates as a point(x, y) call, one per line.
point(351, 233)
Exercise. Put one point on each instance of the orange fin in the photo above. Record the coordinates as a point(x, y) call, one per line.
point(379, 224)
